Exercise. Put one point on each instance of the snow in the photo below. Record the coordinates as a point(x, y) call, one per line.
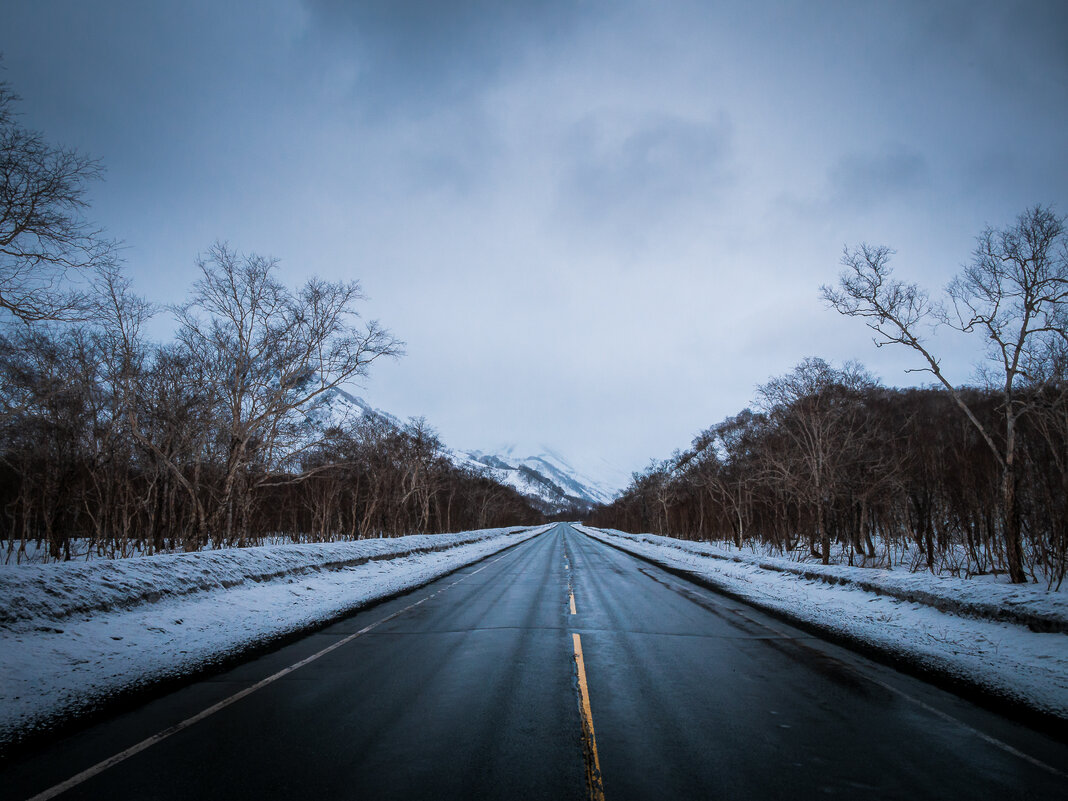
point(978, 633)
point(595, 471)
point(554, 481)
point(336, 407)
point(575, 478)
point(75, 634)
point(562, 472)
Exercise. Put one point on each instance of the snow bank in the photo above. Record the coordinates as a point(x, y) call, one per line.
point(56, 591)
point(1008, 641)
point(75, 635)
point(1031, 605)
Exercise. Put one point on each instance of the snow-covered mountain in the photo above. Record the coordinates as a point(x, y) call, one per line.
point(336, 407)
point(547, 478)
point(546, 475)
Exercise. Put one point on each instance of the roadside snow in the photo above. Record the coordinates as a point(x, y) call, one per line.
point(976, 633)
point(73, 635)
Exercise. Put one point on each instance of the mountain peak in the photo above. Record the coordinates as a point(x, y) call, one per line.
point(548, 478)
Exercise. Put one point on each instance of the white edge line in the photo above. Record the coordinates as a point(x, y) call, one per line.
point(994, 741)
point(148, 742)
point(1016, 752)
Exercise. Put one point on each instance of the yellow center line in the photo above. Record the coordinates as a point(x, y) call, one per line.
point(572, 596)
point(589, 740)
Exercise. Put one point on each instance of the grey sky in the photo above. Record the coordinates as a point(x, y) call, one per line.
point(598, 225)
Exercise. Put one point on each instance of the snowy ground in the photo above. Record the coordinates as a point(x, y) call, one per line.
point(977, 633)
point(75, 634)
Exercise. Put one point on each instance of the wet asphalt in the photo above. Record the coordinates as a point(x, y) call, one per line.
point(469, 690)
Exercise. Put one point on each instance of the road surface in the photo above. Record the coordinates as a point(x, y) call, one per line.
point(560, 668)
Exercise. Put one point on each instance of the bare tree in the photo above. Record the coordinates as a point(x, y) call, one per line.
point(269, 352)
point(420, 481)
point(114, 443)
point(43, 233)
point(816, 413)
point(1013, 293)
point(725, 447)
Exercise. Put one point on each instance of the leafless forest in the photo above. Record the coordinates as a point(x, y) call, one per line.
point(128, 445)
point(976, 478)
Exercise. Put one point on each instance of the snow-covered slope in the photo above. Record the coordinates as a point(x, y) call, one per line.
point(552, 481)
point(336, 407)
point(547, 476)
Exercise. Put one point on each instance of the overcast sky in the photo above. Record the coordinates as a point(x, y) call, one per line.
point(597, 225)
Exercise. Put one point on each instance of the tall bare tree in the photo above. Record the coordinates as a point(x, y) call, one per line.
point(44, 236)
point(270, 351)
point(1013, 293)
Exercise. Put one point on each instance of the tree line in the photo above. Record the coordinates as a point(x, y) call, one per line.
point(209, 439)
point(974, 479)
point(213, 439)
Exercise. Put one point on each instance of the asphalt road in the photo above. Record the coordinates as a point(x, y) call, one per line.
point(477, 686)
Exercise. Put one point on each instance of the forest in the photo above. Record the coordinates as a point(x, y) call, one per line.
point(970, 479)
point(130, 446)
point(121, 444)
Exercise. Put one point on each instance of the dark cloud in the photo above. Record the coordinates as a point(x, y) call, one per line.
point(856, 184)
point(860, 181)
point(642, 168)
point(979, 33)
point(411, 54)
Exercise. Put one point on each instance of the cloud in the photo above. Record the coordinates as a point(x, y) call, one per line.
point(419, 54)
point(861, 181)
point(640, 168)
point(858, 183)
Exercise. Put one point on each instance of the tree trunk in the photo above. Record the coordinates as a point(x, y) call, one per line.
point(824, 534)
point(1011, 506)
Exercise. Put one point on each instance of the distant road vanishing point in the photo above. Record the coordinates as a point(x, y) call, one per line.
point(558, 668)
